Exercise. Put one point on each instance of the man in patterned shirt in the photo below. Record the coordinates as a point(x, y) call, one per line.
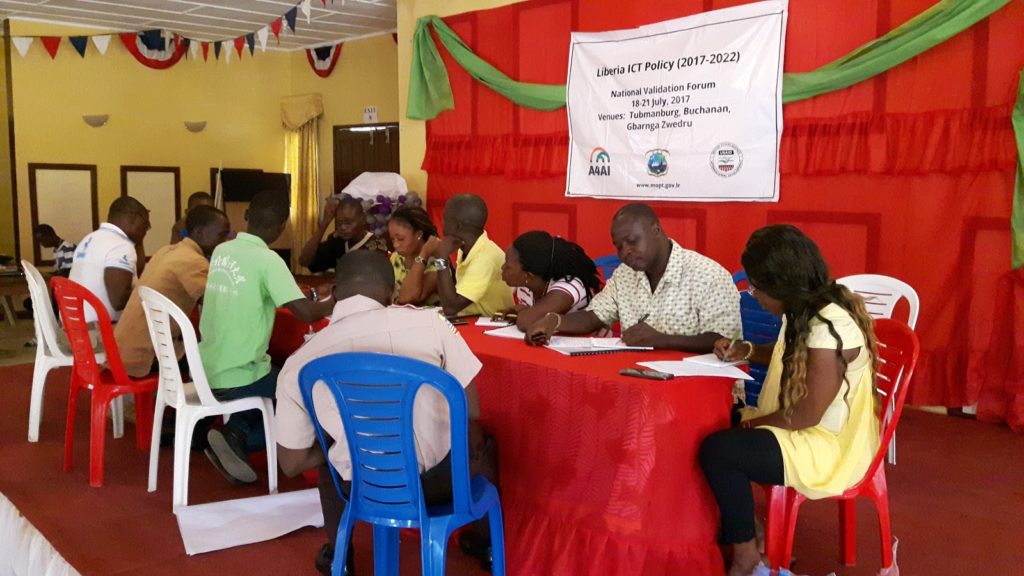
point(63, 251)
point(663, 296)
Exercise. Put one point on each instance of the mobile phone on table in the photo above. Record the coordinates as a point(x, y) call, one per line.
point(458, 321)
point(646, 373)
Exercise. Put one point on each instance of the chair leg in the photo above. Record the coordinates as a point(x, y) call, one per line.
point(271, 441)
point(776, 527)
point(494, 520)
point(154, 444)
point(35, 406)
point(97, 438)
point(848, 531)
point(793, 502)
point(117, 414)
point(434, 543)
point(385, 551)
point(69, 427)
point(143, 419)
point(880, 496)
point(184, 427)
point(341, 544)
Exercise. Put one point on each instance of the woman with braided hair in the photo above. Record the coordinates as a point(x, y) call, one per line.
point(548, 275)
point(815, 428)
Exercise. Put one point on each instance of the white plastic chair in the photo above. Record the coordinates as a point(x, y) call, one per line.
point(193, 401)
point(52, 351)
point(881, 294)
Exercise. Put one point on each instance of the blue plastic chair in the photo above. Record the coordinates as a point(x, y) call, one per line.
point(374, 394)
point(760, 327)
point(607, 265)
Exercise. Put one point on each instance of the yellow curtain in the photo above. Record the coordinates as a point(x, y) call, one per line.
point(302, 161)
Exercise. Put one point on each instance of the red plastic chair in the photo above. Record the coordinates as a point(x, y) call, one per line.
point(106, 383)
point(897, 350)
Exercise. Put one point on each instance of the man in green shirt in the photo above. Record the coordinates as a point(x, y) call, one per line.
point(247, 283)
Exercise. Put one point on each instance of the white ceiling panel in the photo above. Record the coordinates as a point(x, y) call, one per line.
point(225, 20)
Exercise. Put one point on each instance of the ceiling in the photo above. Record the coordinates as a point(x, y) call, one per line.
point(223, 20)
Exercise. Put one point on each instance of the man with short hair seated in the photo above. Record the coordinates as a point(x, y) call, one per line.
point(350, 234)
point(363, 322)
point(663, 295)
point(108, 260)
point(477, 287)
point(180, 229)
point(177, 271)
point(247, 283)
point(63, 251)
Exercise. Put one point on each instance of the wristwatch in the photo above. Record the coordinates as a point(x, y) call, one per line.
point(441, 263)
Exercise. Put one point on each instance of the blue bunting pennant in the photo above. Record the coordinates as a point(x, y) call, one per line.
point(79, 42)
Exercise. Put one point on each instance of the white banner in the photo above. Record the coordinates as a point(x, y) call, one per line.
point(687, 109)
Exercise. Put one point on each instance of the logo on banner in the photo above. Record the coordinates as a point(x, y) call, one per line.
point(726, 159)
point(657, 162)
point(600, 162)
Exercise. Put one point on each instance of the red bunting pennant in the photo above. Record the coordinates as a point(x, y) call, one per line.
point(275, 27)
point(52, 44)
point(206, 50)
point(239, 44)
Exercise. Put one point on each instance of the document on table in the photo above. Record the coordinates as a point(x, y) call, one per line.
point(488, 323)
point(711, 359)
point(507, 332)
point(616, 343)
point(220, 525)
point(684, 368)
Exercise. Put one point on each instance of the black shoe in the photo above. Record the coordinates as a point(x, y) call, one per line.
point(479, 547)
point(229, 457)
point(325, 560)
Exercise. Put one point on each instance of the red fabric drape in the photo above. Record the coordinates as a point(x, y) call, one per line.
point(1001, 377)
point(908, 174)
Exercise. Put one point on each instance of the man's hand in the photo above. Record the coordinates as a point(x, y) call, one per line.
point(540, 332)
point(641, 334)
point(330, 209)
point(436, 248)
point(730, 350)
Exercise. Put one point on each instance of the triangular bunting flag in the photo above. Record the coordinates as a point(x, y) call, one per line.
point(80, 43)
point(22, 43)
point(101, 43)
point(216, 50)
point(250, 39)
point(307, 8)
point(52, 44)
point(227, 56)
point(239, 43)
point(206, 50)
point(290, 15)
point(262, 35)
point(275, 27)
point(153, 40)
point(187, 42)
point(325, 2)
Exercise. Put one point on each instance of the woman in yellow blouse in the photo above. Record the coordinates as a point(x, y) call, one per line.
point(816, 425)
point(415, 271)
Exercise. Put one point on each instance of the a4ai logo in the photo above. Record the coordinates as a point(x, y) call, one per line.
point(600, 162)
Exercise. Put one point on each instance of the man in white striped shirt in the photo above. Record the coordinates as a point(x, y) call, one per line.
point(63, 251)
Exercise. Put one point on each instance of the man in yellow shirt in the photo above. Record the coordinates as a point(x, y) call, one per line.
point(477, 287)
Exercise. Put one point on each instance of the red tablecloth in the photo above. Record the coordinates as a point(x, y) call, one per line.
point(289, 334)
point(598, 472)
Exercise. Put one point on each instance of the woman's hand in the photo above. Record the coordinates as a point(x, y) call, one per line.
point(539, 333)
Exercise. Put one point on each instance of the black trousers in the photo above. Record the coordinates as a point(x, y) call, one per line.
point(731, 460)
point(436, 482)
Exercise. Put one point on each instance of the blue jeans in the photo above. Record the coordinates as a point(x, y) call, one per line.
point(249, 424)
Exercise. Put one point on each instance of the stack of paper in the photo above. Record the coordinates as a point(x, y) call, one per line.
point(617, 344)
point(507, 332)
point(699, 366)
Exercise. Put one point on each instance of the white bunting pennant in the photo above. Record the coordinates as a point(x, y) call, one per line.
point(262, 35)
point(22, 43)
point(307, 9)
point(193, 48)
point(101, 43)
point(228, 47)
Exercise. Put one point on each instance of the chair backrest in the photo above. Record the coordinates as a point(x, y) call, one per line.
point(164, 319)
point(72, 299)
point(42, 311)
point(760, 327)
point(882, 293)
point(607, 265)
point(898, 349)
point(375, 394)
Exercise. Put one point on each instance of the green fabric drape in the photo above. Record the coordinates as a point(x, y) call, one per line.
point(1017, 216)
point(430, 92)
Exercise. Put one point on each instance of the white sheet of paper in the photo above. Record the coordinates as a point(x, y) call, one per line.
point(681, 368)
point(487, 322)
point(220, 525)
point(711, 360)
point(507, 332)
point(616, 343)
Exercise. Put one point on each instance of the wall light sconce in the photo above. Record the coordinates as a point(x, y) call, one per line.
point(195, 125)
point(96, 120)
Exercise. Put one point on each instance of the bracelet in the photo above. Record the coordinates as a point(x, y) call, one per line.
point(750, 349)
point(419, 260)
point(557, 317)
point(441, 263)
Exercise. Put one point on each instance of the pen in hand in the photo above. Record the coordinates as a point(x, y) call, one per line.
point(643, 318)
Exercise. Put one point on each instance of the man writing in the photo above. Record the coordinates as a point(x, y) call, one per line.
point(247, 283)
point(363, 322)
point(664, 296)
point(63, 251)
point(350, 234)
point(108, 260)
point(477, 287)
point(178, 271)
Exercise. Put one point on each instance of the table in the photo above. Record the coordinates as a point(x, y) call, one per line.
point(11, 285)
point(598, 472)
